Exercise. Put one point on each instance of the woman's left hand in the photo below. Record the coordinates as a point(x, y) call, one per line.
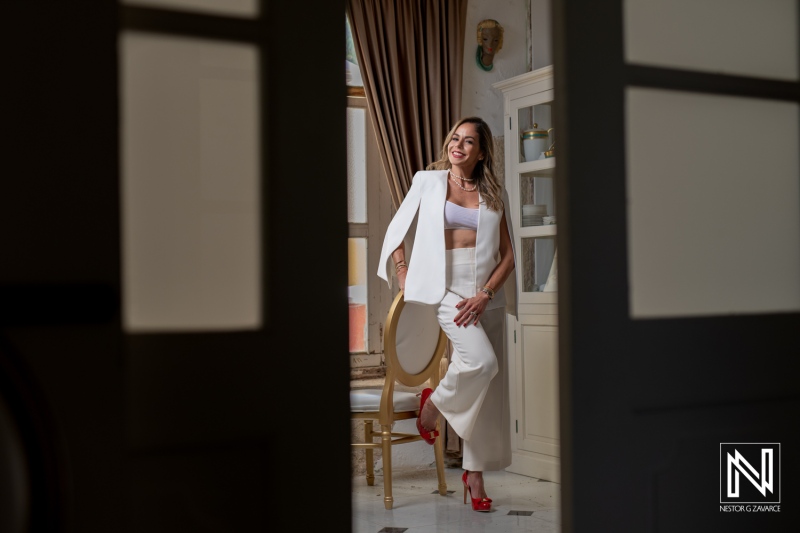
point(471, 309)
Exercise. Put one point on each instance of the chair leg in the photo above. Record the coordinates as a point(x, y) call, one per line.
point(368, 453)
point(386, 441)
point(438, 452)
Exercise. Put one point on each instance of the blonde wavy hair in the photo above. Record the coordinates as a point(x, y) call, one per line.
point(488, 186)
point(489, 24)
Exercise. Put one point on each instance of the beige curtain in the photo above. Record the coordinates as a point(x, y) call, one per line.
point(410, 53)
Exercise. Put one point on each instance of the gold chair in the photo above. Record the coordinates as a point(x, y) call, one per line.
point(413, 346)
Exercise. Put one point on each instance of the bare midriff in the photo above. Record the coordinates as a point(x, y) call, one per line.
point(459, 238)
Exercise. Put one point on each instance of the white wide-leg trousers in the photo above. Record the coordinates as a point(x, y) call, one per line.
point(473, 395)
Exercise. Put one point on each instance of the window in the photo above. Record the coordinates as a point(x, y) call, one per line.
point(355, 87)
point(368, 212)
point(191, 170)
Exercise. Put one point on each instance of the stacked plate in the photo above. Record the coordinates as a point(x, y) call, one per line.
point(532, 214)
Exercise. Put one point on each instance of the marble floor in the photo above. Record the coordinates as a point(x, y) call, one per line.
point(521, 504)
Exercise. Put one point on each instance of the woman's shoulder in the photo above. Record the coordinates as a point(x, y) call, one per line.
point(428, 176)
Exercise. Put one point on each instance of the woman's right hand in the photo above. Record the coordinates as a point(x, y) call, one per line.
point(401, 278)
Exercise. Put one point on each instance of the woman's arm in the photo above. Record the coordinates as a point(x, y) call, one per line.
point(396, 232)
point(400, 265)
point(499, 275)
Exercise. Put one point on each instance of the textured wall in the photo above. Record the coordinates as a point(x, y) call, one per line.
point(478, 96)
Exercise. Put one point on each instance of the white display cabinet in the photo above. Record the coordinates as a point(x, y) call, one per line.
point(530, 174)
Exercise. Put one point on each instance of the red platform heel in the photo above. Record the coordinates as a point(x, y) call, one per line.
point(483, 505)
point(427, 436)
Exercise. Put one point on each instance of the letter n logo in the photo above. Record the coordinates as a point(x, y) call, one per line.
point(750, 472)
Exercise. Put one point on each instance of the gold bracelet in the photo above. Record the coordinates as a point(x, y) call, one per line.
point(399, 265)
point(488, 290)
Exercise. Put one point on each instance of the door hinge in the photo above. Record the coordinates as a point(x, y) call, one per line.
point(509, 122)
point(516, 423)
point(515, 336)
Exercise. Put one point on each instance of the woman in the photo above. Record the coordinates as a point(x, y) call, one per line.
point(462, 256)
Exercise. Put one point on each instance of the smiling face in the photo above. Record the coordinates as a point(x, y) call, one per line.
point(464, 150)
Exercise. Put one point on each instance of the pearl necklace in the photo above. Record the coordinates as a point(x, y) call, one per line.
point(459, 177)
point(462, 187)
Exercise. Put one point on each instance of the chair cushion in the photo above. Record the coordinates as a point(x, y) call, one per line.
point(367, 400)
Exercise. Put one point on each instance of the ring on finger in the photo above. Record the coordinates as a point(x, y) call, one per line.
point(473, 313)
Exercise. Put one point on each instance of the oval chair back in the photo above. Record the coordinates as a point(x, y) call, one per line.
point(413, 346)
point(413, 342)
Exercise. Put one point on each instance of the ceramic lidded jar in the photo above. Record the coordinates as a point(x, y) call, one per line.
point(535, 142)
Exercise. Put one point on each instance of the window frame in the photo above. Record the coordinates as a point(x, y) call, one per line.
point(379, 214)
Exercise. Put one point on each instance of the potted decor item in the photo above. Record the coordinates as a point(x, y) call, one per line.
point(535, 142)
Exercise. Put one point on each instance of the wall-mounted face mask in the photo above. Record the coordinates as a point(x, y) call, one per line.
point(490, 41)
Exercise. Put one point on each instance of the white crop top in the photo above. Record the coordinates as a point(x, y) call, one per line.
point(457, 217)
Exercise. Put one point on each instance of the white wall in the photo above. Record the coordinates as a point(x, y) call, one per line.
point(414, 455)
point(541, 36)
point(478, 96)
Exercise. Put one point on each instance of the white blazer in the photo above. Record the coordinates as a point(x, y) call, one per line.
point(425, 281)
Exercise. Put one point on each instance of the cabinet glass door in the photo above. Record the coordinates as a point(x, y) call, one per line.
point(532, 166)
point(539, 268)
point(537, 135)
point(537, 201)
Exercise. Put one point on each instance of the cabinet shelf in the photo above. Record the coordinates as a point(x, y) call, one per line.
point(541, 165)
point(537, 231)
